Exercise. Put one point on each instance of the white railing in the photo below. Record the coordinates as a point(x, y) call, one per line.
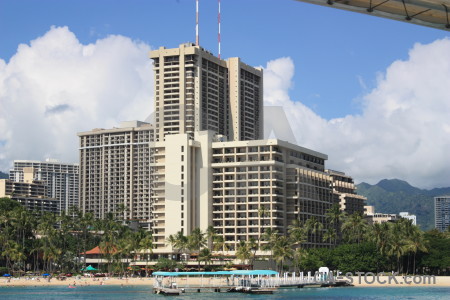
point(301, 279)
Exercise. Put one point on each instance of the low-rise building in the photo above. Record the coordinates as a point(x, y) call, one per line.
point(32, 195)
point(407, 215)
point(373, 217)
point(344, 189)
point(61, 179)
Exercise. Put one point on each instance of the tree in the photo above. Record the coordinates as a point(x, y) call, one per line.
point(334, 217)
point(110, 228)
point(146, 245)
point(297, 233)
point(354, 228)
point(270, 236)
point(313, 226)
point(243, 251)
point(205, 255)
point(211, 234)
point(416, 242)
point(397, 245)
point(179, 241)
point(282, 250)
point(330, 235)
point(219, 243)
point(299, 254)
point(196, 241)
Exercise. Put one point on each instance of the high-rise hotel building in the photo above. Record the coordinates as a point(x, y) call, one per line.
point(195, 91)
point(442, 212)
point(203, 161)
point(115, 171)
point(60, 179)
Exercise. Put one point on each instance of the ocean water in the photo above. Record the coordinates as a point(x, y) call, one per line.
point(144, 292)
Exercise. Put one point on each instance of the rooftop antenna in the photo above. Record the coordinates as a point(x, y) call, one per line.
point(197, 39)
point(218, 35)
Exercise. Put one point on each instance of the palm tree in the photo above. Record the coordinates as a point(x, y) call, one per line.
point(270, 236)
point(398, 245)
point(122, 249)
point(243, 251)
point(297, 233)
point(253, 244)
point(48, 232)
point(416, 242)
point(313, 226)
point(110, 228)
point(179, 241)
point(354, 228)
point(330, 235)
point(299, 254)
point(219, 243)
point(282, 250)
point(86, 224)
point(380, 235)
point(210, 233)
point(146, 244)
point(335, 216)
point(196, 241)
point(205, 255)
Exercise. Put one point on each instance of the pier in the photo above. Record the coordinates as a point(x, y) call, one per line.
point(241, 281)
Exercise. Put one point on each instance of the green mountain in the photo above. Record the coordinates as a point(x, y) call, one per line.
point(3, 175)
point(393, 196)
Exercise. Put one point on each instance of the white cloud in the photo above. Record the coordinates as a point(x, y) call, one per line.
point(403, 131)
point(56, 87)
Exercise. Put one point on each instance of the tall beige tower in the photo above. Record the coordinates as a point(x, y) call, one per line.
point(195, 91)
point(115, 171)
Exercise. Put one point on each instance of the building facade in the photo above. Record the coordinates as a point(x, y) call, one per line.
point(31, 194)
point(203, 181)
point(115, 171)
point(408, 216)
point(61, 179)
point(344, 190)
point(204, 162)
point(196, 91)
point(442, 212)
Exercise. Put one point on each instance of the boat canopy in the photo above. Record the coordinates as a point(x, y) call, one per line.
point(237, 272)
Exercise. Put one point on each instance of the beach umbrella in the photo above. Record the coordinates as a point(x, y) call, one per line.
point(90, 268)
point(6, 275)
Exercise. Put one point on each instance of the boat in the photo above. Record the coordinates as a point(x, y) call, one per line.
point(168, 292)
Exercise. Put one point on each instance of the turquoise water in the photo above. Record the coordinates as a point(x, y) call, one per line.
point(143, 292)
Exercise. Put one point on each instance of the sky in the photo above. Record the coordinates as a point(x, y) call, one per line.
point(371, 93)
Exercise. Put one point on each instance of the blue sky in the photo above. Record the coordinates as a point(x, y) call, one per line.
point(371, 93)
point(337, 54)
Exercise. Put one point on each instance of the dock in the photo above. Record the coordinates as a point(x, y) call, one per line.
point(240, 281)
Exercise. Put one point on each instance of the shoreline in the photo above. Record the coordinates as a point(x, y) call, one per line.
point(369, 281)
point(400, 281)
point(100, 281)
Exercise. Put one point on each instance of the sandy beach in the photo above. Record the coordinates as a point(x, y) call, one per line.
point(400, 281)
point(74, 281)
point(369, 281)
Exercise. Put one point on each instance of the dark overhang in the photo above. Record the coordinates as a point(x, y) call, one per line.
point(431, 13)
